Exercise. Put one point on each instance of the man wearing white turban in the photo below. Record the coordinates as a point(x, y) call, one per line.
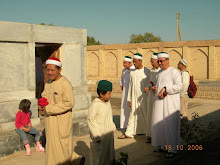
point(166, 112)
point(125, 79)
point(184, 98)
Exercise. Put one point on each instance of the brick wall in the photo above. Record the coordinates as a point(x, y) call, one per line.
point(106, 61)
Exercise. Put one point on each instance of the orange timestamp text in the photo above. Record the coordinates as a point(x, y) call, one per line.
point(182, 147)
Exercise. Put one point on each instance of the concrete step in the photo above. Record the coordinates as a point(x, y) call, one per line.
point(209, 83)
point(10, 141)
point(208, 92)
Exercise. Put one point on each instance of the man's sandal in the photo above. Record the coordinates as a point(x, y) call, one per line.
point(170, 155)
point(124, 137)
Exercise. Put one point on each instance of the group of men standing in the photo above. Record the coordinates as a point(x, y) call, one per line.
point(151, 100)
point(150, 105)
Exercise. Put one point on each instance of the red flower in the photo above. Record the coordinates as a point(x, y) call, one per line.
point(42, 102)
point(152, 83)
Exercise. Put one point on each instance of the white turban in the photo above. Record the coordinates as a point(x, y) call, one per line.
point(163, 54)
point(138, 56)
point(128, 58)
point(154, 56)
point(184, 62)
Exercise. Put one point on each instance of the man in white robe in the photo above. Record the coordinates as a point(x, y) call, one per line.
point(137, 98)
point(184, 98)
point(166, 111)
point(150, 97)
point(125, 79)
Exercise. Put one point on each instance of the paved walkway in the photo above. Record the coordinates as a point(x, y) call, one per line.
point(139, 152)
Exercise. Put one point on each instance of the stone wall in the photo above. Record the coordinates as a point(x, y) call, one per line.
point(105, 61)
point(17, 74)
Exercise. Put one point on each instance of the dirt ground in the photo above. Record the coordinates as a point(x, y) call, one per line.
point(140, 152)
point(209, 111)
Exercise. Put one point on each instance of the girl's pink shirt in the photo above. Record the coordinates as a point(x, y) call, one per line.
point(22, 119)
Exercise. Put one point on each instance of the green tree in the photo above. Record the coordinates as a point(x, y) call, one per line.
point(51, 24)
point(91, 41)
point(146, 37)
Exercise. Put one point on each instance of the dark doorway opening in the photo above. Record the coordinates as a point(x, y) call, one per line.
point(45, 51)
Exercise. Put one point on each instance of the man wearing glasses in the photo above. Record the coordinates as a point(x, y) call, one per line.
point(166, 111)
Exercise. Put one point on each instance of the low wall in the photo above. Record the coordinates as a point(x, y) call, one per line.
point(106, 61)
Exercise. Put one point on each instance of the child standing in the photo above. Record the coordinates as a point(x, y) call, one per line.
point(24, 126)
point(101, 126)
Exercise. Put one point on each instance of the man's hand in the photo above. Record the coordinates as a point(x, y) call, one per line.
point(42, 108)
point(129, 104)
point(121, 87)
point(39, 107)
point(160, 94)
point(154, 88)
point(27, 129)
point(146, 89)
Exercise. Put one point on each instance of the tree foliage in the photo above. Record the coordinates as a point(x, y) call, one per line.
point(122, 160)
point(146, 37)
point(195, 131)
point(51, 24)
point(91, 41)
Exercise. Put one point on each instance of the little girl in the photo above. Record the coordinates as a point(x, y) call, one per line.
point(24, 126)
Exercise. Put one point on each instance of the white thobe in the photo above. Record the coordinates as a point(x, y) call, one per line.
point(184, 98)
point(166, 112)
point(125, 109)
point(150, 100)
point(101, 127)
point(185, 81)
point(138, 98)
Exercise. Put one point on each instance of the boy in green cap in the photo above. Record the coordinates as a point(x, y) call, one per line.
point(101, 126)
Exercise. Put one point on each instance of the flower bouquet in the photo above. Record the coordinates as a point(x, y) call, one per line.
point(42, 102)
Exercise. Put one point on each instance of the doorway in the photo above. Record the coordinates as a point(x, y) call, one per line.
point(45, 51)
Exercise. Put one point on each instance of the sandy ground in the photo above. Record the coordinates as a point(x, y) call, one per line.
point(139, 152)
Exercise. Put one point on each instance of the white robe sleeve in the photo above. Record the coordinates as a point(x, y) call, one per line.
point(177, 83)
point(149, 75)
point(92, 124)
point(185, 80)
point(129, 97)
point(121, 81)
point(113, 126)
point(154, 78)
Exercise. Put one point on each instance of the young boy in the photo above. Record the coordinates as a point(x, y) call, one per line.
point(24, 126)
point(101, 126)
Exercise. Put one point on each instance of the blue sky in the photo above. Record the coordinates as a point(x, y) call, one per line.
point(113, 21)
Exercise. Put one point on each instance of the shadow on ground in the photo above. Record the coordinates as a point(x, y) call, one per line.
point(141, 153)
